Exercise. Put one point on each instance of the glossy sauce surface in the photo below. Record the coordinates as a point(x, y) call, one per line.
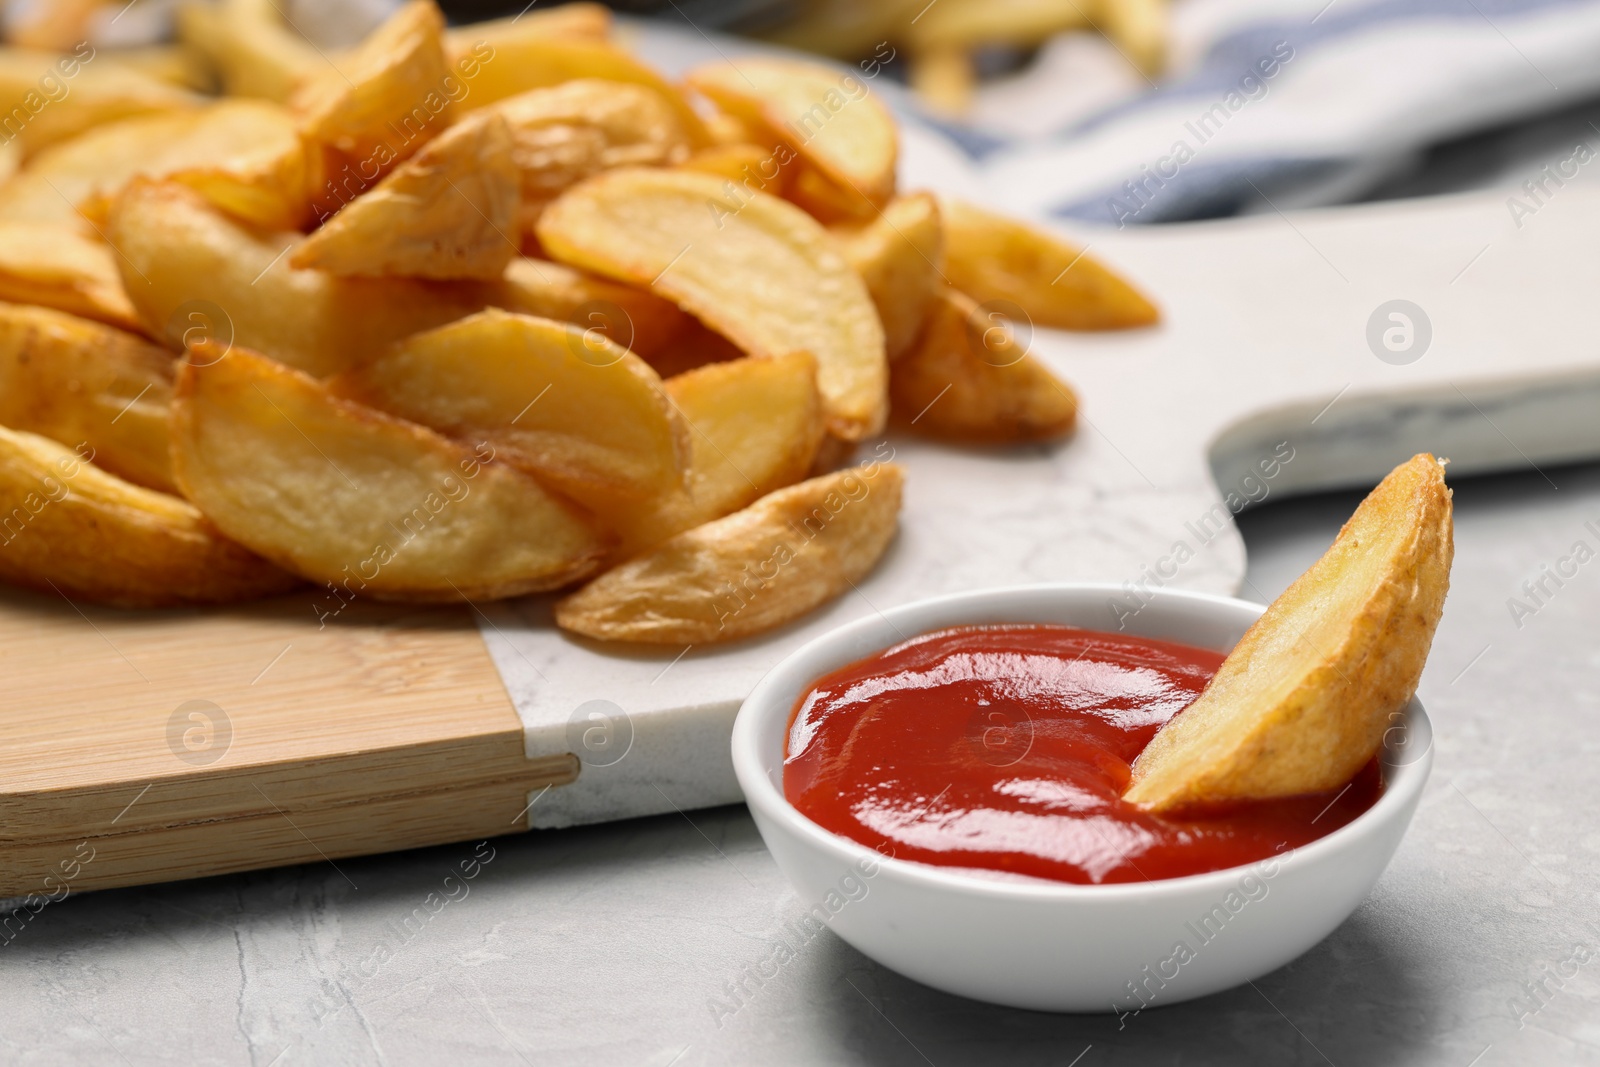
point(1008, 748)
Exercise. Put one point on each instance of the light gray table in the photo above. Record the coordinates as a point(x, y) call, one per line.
point(617, 944)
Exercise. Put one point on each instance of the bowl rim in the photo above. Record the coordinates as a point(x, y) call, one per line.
point(1403, 783)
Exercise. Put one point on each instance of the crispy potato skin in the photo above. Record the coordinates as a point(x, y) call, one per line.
point(754, 268)
point(749, 572)
point(1304, 699)
point(447, 212)
point(83, 383)
point(348, 496)
point(899, 255)
point(67, 527)
point(993, 257)
point(967, 379)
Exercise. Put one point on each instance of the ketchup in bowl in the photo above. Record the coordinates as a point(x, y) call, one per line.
point(1008, 748)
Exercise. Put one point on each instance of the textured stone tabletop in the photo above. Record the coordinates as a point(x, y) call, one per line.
point(629, 943)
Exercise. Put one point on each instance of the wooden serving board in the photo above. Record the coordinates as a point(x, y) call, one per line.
point(176, 744)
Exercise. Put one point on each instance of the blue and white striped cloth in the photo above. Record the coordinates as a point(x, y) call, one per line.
point(1292, 103)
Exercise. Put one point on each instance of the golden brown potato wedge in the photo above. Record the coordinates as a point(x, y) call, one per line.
point(450, 211)
point(750, 165)
point(755, 269)
point(247, 41)
point(899, 255)
point(565, 133)
point(67, 527)
point(531, 59)
point(387, 97)
point(181, 258)
point(41, 263)
point(84, 383)
point(47, 98)
point(992, 257)
point(756, 569)
point(245, 156)
point(1304, 699)
point(175, 64)
point(634, 318)
point(559, 402)
point(754, 427)
point(830, 118)
point(968, 378)
point(64, 176)
point(370, 504)
point(586, 20)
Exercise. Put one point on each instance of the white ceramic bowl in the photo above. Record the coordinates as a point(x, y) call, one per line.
point(1031, 944)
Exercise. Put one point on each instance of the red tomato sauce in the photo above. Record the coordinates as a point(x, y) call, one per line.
point(1008, 748)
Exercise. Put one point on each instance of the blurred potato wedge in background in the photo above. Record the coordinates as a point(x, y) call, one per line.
point(969, 378)
point(252, 48)
point(757, 270)
point(84, 383)
point(742, 162)
point(1304, 699)
point(899, 255)
point(46, 98)
point(557, 401)
point(828, 117)
point(188, 267)
point(70, 528)
point(447, 212)
point(565, 133)
point(385, 98)
point(532, 60)
point(754, 570)
point(991, 257)
point(367, 503)
point(584, 20)
point(57, 267)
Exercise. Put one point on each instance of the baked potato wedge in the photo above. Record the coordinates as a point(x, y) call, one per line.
point(57, 267)
point(366, 503)
point(1304, 699)
point(179, 253)
point(565, 133)
point(757, 270)
point(68, 527)
point(585, 20)
point(992, 257)
point(529, 58)
point(754, 570)
point(755, 426)
point(84, 383)
point(46, 98)
point(253, 50)
point(559, 402)
point(634, 318)
point(899, 255)
point(244, 156)
point(450, 211)
point(385, 98)
point(828, 118)
point(968, 378)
